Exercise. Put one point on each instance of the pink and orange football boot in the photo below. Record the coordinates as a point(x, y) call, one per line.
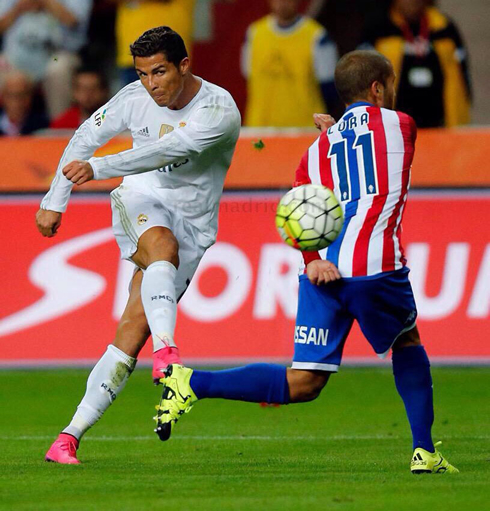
point(63, 450)
point(162, 359)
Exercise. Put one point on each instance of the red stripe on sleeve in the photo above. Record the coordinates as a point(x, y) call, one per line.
point(360, 262)
point(324, 161)
point(302, 177)
point(310, 256)
point(409, 134)
point(412, 125)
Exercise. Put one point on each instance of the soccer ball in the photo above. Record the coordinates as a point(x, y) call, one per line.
point(309, 217)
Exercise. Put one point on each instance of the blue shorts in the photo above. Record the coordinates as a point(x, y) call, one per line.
point(383, 306)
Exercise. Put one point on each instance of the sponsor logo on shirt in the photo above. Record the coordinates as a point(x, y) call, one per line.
point(176, 165)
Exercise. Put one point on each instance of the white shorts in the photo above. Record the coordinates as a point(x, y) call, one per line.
point(133, 213)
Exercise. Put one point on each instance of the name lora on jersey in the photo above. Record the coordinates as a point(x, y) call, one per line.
point(349, 124)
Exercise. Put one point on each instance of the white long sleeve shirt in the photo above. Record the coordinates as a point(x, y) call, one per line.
point(181, 155)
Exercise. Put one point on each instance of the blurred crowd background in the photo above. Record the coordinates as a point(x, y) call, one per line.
point(62, 59)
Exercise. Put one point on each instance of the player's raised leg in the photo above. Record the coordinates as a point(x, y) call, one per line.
point(107, 378)
point(158, 255)
point(254, 383)
point(319, 315)
point(257, 383)
point(411, 368)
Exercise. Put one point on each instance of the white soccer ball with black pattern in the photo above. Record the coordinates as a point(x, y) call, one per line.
point(309, 217)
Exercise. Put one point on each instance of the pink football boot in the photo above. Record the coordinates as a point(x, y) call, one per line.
point(63, 450)
point(163, 358)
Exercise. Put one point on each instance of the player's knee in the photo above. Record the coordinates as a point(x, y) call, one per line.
point(164, 245)
point(407, 339)
point(314, 388)
point(157, 244)
point(306, 385)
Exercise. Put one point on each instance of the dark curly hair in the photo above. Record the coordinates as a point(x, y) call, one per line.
point(160, 40)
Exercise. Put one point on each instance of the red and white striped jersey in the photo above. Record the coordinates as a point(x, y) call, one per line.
point(365, 159)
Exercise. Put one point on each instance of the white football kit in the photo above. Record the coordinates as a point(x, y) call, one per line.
point(173, 175)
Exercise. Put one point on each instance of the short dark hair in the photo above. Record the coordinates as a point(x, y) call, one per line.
point(356, 71)
point(160, 40)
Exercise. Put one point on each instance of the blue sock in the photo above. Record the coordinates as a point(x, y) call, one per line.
point(411, 368)
point(256, 383)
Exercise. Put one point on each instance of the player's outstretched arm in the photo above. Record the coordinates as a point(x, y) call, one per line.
point(320, 272)
point(211, 125)
point(149, 157)
point(170, 149)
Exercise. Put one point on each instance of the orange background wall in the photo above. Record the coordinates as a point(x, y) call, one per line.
point(444, 158)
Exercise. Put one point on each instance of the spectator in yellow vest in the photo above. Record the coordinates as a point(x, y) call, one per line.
point(133, 17)
point(289, 62)
point(430, 61)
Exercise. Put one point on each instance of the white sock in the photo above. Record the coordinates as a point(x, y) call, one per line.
point(160, 302)
point(104, 384)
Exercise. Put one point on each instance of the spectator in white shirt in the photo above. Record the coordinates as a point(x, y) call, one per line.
point(42, 38)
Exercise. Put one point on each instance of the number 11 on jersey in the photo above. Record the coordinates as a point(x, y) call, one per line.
point(363, 145)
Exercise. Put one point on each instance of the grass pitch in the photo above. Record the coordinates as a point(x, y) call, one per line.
point(349, 450)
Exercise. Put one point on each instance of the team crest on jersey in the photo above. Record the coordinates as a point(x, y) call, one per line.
point(142, 219)
point(182, 124)
point(165, 129)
